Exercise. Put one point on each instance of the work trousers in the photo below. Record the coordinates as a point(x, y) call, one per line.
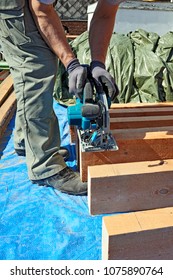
point(33, 67)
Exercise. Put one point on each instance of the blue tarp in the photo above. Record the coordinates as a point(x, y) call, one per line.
point(40, 223)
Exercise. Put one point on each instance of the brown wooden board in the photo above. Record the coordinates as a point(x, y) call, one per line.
point(139, 138)
point(6, 88)
point(7, 110)
point(139, 122)
point(143, 235)
point(140, 112)
point(134, 146)
point(130, 186)
point(141, 105)
point(3, 75)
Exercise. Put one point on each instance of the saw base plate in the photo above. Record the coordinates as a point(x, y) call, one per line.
point(86, 146)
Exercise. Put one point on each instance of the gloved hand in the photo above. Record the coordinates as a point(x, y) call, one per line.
point(77, 78)
point(103, 79)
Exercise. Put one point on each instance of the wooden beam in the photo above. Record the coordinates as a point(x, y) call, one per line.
point(7, 111)
point(135, 145)
point(130, 186)
point(139, 122)
point(68, 36)
point(140, 112)
point(4, 74)
point(7, 103)
point(141, 105)
point(143, 131)
point(144, 235)
point(73, 134)
point(6, 88)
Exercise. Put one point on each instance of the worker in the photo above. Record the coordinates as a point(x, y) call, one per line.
point(32, 38)
point(101, 28)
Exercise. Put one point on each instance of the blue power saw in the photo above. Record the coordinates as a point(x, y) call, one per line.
point(91, 116)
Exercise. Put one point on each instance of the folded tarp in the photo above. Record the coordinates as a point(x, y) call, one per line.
point(141, 63)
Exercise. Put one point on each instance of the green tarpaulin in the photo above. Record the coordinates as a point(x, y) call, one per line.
point(141, 63)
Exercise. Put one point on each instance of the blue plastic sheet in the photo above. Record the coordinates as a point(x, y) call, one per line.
point(40, 223)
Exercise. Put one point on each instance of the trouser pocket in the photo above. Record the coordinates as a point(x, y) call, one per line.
point(13, 30)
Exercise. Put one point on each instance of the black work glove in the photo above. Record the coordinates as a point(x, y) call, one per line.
point(77, 78)
point(103, 79)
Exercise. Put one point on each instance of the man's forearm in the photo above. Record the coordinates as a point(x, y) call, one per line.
point(101, 29)
point(51, 29)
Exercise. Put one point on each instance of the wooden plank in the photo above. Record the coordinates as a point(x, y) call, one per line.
point(139, 122)
point(130, 186)
point(139, 112)
point(74, 140)
point(141, 105)
point(144, 235)
point(143, 131)
point(4, 74)
point(6, 112)
point(73, 134)
point(68, 36)
point(5, 89)
point(135, 145)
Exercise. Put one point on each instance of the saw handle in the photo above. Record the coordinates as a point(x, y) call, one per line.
point(88, 92)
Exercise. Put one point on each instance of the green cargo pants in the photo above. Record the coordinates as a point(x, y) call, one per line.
point(33, 67)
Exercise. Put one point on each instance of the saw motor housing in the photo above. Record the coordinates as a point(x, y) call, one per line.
point(91, 116)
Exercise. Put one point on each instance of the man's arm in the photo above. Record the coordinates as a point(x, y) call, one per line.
point(51, 29)
point(101, 28)
point(100, 33)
